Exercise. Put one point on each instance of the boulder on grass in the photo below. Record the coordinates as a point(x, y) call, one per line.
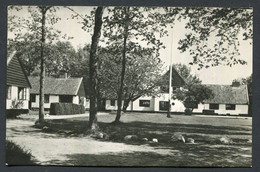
point(37, 122)
point(130, 137)
point(98, 135)
point(177, 138)
point(155, 140)
point(144, 139)
point(45, 128)
point(190, 140)
point(225, 140)
point(105, 136)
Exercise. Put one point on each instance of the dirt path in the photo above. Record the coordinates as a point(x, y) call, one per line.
point(54, 149)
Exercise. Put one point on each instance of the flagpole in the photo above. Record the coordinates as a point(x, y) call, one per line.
point(170, 79)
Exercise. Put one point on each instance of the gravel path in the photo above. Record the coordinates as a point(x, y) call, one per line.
point(54, 149)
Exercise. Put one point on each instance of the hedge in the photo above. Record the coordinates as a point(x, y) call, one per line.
point(66, 109)
point(13, 113)
point(208, 112)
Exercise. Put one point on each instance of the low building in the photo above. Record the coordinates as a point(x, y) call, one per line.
point(227, 100)
point(63, 90)
point(17, 85)
point(158, 103)
point(154, 103)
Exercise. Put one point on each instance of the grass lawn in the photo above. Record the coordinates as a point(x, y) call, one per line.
point(207, 151)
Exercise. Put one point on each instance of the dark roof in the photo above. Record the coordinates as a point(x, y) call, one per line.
point(177, 79)
point(58, 86)
point(15, 74)
point(226, 94)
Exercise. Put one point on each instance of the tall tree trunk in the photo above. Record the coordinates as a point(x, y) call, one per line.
point(120, 91)
point(42, 73)
point(126, 104)
point(93, 67)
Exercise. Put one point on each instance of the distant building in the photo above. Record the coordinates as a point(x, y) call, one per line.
point(17, 85)
point(227, 99)
point(154, 103)
point(64, 90)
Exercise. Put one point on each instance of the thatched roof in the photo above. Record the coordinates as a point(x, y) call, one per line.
point(226, 94)
point(15, 73)
point(57, 86)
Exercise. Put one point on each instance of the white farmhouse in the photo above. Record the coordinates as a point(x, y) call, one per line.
point(158, 103)
point(17, 86)
point(227, 100)
point(63, 90)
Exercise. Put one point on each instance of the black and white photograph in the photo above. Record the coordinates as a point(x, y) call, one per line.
point(129, 86)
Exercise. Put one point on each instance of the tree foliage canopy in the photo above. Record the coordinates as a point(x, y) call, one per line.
point(193, 91)
point(214, 34)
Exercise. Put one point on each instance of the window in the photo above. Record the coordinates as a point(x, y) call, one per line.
point(214, 106)
point(8, 92)
point(230, 107)
point(65, 98)
point(46, 98)
point(22, 93)
point(112, 102)
point(163, 105)
point(144, 103)
point(33, 98)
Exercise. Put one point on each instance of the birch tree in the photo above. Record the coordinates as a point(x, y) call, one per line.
point(39, 23)
point(125, 26)
point(93, 67)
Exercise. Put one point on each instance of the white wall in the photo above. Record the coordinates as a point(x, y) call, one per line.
point(109, 107)
point(14, 96)
point(200, 108)
point(52, 99)
point(136, 104)
point(75, 99)
point(154, 104)
point(86, 103)
point(240, 109)
point(36, 103)
point(177, 107)
point(55, 99)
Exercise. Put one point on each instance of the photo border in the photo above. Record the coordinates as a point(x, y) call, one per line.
point(179, 3)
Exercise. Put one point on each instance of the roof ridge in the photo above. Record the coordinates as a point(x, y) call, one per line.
point(81, 78)
point(63, 86)
point(10, 57)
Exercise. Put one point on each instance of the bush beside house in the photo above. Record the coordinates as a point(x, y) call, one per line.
point(66, 109)
point(13, 113)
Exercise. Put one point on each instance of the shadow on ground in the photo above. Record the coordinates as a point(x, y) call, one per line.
point(207, 151)
point(163, 132)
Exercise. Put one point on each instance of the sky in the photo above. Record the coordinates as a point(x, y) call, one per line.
point(212, 75)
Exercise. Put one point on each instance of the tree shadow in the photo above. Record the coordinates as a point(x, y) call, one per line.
point(149, 130)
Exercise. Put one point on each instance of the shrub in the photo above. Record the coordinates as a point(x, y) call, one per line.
point(208, 112)
point(15, 155)
point(66, 109)
point(16, 104)
point(188, 111)
point(13, 113)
